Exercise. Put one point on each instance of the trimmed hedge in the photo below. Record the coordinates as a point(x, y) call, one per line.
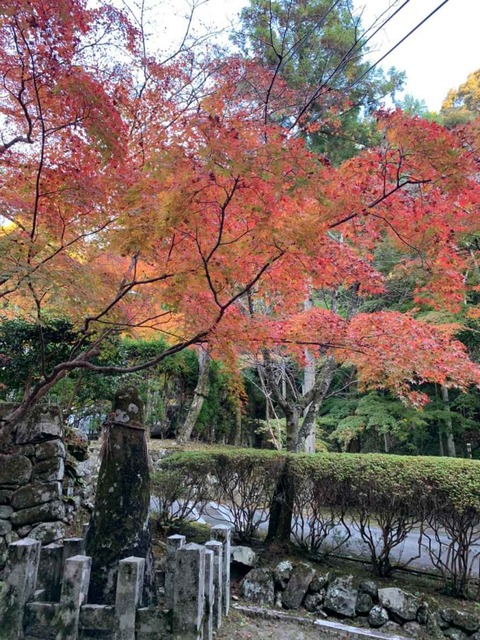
point(383, 497)
point(241, 480)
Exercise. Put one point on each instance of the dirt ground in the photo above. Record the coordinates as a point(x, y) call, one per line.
point(240, 627)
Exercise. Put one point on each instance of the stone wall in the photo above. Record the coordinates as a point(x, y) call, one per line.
point(389, 610)
point(46, 590)
point(32, 467)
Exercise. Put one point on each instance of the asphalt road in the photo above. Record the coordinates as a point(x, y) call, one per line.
point(410, 552)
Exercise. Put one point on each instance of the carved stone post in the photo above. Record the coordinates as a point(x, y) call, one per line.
point(119, 526)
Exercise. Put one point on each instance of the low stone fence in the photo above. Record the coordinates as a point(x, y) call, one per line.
point(45, 593)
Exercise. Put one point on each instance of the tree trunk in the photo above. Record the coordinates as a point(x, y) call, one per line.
point(292, 430)
point(281, 508)
point(308, 444)
point(237, 435)
point(199, 395)
point(451, 449)
point(318, 391)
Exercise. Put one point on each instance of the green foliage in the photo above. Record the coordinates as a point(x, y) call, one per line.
point(318, 49)
point(396, 494)
point(28, 350)
point(217, 417)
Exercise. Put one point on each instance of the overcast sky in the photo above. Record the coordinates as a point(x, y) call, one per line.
point(437, 57)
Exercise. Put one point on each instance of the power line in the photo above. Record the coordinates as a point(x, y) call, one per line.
point(356, 47)
point(398, 43)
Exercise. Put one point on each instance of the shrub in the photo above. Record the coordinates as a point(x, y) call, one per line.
point(241, 480)
point(319, 504)
point(383, 497)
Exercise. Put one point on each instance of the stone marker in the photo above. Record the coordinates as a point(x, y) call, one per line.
point(209, 595)
point(189, 593)
point(128, 596)
point(173, 544)
point(223, 533)
point(119, 526)
point(217, 548)
point(20, 579)
point(50, 571)
point(72, 547)
point(76, 577)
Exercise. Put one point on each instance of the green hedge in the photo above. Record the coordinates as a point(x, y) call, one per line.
point(336, 492)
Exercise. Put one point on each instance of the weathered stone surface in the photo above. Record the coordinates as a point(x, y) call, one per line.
point(189, 592)
point(50, 449)
point(320, 582)
point(5, 512)
point(217, 549)
point(455, 634)
point(152, 624)
point(313, 601)
point(128, 595)
point(244, 555)
point(377, 617)
point(24, 531)
point(26, 450)
point(15, 469)
point(20, 577)
point(42, 423)
point(423, 613)
point(402, 606)
point(50, 571)
point(97, 616)
point(341, 597)
point(32, 495)
point(47, 532)
point(441, 622)
point(119, 525)
point(52, 470)
point(223, 533)
point(412, 629)
point(364, 603)
point(5, 527)
point(74, 593)
point(47, 512)
point(466, 621)
point(173, 544)
point(5, 495)
point(258, 587)
point(297, 586)
point(369, 587)
point(391, 628)
point(282, 573)
point(40, 620)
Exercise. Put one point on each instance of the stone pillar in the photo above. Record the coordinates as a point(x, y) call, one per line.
point(119, 526)
point(173, 544)
point(129, 592)
point(76, 577)
point(189, 593)
point(20, 580)
point(209, 595)
point(217, 548)
point(50, 571)
point(72, 547)
point(222, 533)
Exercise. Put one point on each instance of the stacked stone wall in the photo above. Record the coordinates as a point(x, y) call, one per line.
point(32, 469)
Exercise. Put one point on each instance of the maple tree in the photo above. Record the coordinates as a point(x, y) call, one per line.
point(159, 205)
